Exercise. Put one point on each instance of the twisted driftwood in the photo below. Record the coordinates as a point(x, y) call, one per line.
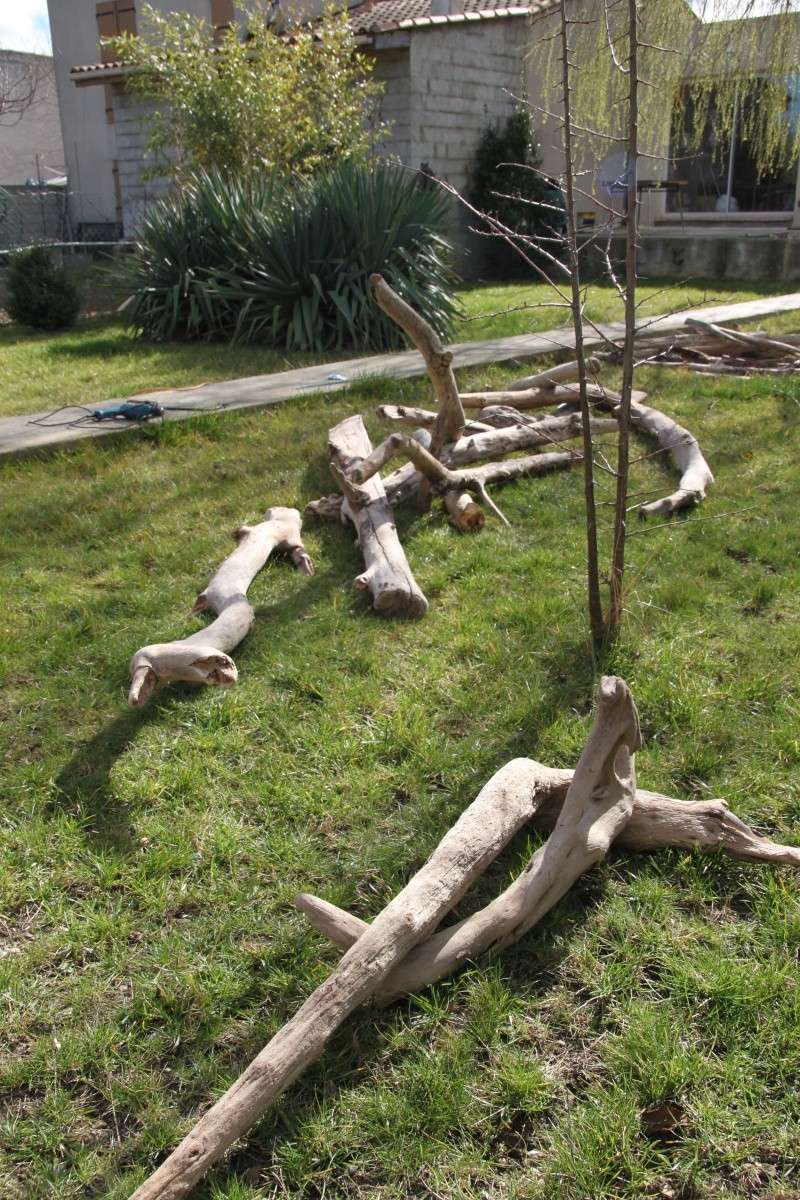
point(395, 591)
point(450, 415)
point(588, 810)
point(656, 823)
point(420, 418)
point(203, 656)
point(682, 447)
point(532, 398)
point(481, 832)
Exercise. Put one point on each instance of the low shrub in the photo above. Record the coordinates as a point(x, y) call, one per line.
point(506, 182)
point(287, 263)
point(39, 293)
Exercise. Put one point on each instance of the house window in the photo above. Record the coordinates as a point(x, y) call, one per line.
point(221, 13)
point(722, 176)
point(113, 17)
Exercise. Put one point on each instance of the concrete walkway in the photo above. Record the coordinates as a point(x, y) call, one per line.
point(18, 436)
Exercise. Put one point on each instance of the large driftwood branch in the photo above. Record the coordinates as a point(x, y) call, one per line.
point(450, 416)
point(756, 342)
point(395, 591)
point(549, 431)
point(598, 804)
point(481, 832)
point(536, 398)
point(682, 447)
point(419, 418)
point(562, 373)
point(203, 656)
point(657, 822)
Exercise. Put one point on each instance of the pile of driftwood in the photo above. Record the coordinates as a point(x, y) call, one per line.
point(459, 457)
point(446, 454)
point(710, 349)
point(587, 810)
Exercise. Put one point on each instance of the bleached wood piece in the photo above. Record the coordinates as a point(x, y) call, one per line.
point(403, 414)
point(440, 478)
point(549, 431)
point(598, 805)
point(758, 343)
point(202, 657)
point(562, 373)
point(684, 450)
point(522, 399)
point(450, 414)
point(465, 851)
point(657, 822)
point(388, 576)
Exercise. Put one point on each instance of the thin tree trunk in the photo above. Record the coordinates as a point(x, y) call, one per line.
point(628, 352)
point(592, 562)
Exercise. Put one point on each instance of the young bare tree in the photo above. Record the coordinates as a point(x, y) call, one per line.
point(22, 81)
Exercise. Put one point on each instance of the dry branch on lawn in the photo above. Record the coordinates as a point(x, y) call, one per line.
point(481, 832)
point(395, 591)
point(419, 418)
point(548, 431)
point(656, 823)
point(682, 447)
point(562, 373)
point(535, 398)
point(588, 810)
point(450, 415)
point(203, 656)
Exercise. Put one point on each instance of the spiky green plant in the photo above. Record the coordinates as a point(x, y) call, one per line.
point(287, 263)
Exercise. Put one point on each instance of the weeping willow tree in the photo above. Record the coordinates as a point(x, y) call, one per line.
point(646, 78)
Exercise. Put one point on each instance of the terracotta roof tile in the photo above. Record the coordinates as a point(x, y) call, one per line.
point(381, 16)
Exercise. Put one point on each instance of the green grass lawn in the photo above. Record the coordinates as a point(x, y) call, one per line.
point(148, 942)
point(102, 360)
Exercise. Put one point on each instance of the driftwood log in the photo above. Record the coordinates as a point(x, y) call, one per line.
point(681, 446)
point(203, 657)
point(562, 373)
point(387, 575)
point(450, 413)
point(536, 398)
point(657, 823)
point(588, 810)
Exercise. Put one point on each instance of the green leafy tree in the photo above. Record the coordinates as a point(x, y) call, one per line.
point(251, 97)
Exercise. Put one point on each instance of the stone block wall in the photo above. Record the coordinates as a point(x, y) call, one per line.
point(392, 69)
point(461, 77)
point(130, 127)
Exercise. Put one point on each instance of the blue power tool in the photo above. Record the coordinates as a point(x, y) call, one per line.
point(129, 410)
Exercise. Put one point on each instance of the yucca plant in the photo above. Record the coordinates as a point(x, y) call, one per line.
point(287, 263)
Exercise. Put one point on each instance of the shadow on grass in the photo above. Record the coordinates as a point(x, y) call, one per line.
point(84, 783)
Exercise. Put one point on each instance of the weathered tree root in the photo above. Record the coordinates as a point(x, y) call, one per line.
point(588, 809)
point(656, 823)
point(682, 447)
point(387, 575)
point(202, 657)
